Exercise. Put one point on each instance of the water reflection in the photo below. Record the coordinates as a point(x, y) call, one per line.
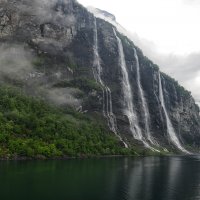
point(169, 178)
point(151, 178)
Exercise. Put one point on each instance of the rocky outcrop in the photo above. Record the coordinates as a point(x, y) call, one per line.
point(60, 37)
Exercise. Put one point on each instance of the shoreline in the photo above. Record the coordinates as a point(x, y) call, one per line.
point(87, 157)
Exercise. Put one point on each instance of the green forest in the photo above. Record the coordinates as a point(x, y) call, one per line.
point(32, 128)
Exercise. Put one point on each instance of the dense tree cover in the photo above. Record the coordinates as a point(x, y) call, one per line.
point(84, 84)
point(32, 128)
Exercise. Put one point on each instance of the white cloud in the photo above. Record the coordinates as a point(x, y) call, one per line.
point(15, 61)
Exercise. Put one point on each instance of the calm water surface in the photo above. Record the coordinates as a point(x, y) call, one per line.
point(151, 178)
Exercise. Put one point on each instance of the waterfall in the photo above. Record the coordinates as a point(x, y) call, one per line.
point(143, 100)
point(170, 129)
point(128, 98)
point(106, 92)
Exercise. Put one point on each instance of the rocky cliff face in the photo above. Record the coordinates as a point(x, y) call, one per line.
point(74, 58)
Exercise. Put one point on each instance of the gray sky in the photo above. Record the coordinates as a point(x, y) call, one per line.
point(168, 32)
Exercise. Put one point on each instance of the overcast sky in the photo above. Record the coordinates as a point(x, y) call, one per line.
point(169, 33)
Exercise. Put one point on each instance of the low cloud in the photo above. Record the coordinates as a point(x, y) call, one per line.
point(63, 96)
point(16, 64)
point(15, 61)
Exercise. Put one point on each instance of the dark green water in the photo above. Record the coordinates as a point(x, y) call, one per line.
point(151, 178)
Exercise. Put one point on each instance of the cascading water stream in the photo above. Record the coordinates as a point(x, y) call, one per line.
point(170, 130)
point(144, 102)
point(107, 95)
point(128, 97)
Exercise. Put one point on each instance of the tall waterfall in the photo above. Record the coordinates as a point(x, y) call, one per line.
point(143, 100)
point(107, 95)
point(170, 129)
point(128, 97)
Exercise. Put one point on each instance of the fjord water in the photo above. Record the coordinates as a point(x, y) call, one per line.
point(149, 178)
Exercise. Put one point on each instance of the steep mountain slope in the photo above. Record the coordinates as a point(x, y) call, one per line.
point(58, 51)
point(31, 128)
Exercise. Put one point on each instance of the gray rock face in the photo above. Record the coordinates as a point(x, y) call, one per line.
point(60, 36)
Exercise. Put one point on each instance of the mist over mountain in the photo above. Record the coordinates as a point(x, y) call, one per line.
point(85, 65)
